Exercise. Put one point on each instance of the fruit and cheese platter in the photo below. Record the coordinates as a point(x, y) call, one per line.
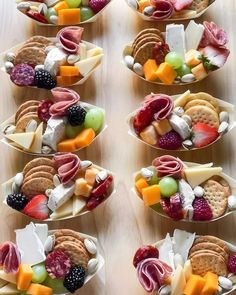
point(189, 192)
point(62, 12)
point(178, 56)
point(189, 121)
point(43, 62)
point(47, 262)
point(168, 10)
point(59, 188)
point(60, 124)
point(187, 264)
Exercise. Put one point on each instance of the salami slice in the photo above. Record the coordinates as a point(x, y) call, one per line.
point(9, 257)
point(22, 75)
point(213, 35)
point(68, 166)
point(164, 9)
point(69, 38)
point(43, 110)
point(168, 166)
point(58, 264)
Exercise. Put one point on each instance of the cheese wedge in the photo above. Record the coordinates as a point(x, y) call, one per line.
point(175, 38)
point(9, 289)
point(64, 210)
point(23, 140)
point(187, 270)
point(36, 146)
point(87, 65)
point(82, 51)
point(182, 99)
point(193, 35)
point(78, 205)
point(94, 51)
point(178, 281)
point(196, 176)
point(9, 277)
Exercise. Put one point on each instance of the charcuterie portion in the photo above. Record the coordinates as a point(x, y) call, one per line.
point(183, 122)
point(49, 62)
point(178, 56)
point(58, 188)
point(187, 264)
point(62, 123)
point(185, 191)
point(46, 263)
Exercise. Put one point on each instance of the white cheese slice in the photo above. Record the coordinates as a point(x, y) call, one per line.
point(55, 132)
point(55, 58)
point(182, 99)
point(87, 65)
point(178, 281)
point(30, 246)
point(196, 176)
point(36, 146)
point(187, 270)
point(187, 195)
point(94, 51)
point(78, 205)
point(9, 289)
point(23, 140)
point(82, 51)
point(166, 253)
point(60, 195)
point(175, 38)
point(7, 277)
point(42, 231)
point(182, 242)
point(193, 35)
point(64, 210)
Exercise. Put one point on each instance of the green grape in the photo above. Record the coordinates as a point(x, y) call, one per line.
point(86, 13)
point(174, 59)
point(154, 179)
point(73, 3)
point(73, 131)
point(94, 119)
point(183, 70)
point(55, 284)
point(39, 273)
point(51, 11)
point(168, 186)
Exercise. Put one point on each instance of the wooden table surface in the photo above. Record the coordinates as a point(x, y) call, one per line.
point(122, 224)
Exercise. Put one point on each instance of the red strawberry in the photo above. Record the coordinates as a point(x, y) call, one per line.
point(142, 119)
point(144, 253)
point(37, 16)
point(201, 210)
point(173, 207)
point(37, 207)
point(97, 5)
point(181, 4)
point(232, 263)
point(215, 56)
point(203, 135)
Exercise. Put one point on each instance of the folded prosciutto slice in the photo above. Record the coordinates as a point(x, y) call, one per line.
point(69, 38)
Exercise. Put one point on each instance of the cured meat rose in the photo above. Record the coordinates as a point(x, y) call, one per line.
point(168, 166)
point(181, 4)
point(58, 264)
point(213, 35)
point(164, 9)
point(9, 257)
point(152, 274)
point(69, 38)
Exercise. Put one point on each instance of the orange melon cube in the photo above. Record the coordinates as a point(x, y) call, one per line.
point(69, 71)
point(166, 73)
point(82, 188)
point(149, 69)
point(69, 16)
point(140, 184)
point(67, 81)
point(143, 4)
point(194, 285)
point(90, 175)
point(37, 289)
point(162, 127)
point(67, 145)
point(61, 5)
point(199, 72)
point(211, 285)
point(24, 277)
point(191, 58)
point(84, 138)
point(151, 195)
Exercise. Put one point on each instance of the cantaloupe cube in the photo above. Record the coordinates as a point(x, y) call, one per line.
point(24, 277)
point(37, 289)
point(191, 58)
point(82, 188)
point(60, 5)
point(162, 127)
point(149, 69)
point(140, 184)
point(211, 285)
point(90, 175)
point(166, 73)
point(199, 72)
point(194, 285)
point(69, 71)
point(84, 138)
point(142, 4)
point(67, 145)
point(69, 16)
point(151, 195)
point(67, 81)
point(149, 135)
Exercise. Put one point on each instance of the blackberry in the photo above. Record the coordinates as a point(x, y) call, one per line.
point(75, 279)
point(17, 201)
point(76, 115)
point(43, 79)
